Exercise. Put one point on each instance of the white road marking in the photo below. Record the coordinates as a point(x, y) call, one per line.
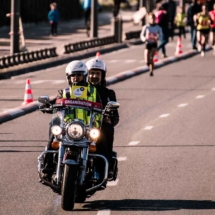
point(113, 61)
point(148, 127)
point(59, 82)
point(130, 61)
point(104, 212)
point(213, 89)
point(6, 110)
point(38, 82)
point(112, 183)
point(183, 105)
point(132, 143)
point(200, 96)
point(20, 82)
point(122, 158)
point(41, 81)
point(56, 203)
point(164, 115)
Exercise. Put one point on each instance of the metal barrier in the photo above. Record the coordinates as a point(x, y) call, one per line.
point(27, 57)
point(132, 35)
point(79, 46)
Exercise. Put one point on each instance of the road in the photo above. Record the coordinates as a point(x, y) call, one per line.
point(165, 143)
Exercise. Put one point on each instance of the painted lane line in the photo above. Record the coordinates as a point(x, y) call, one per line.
point(6, 110)
point(20, 82)
point(130, 61)
point(213, 89)
point(148, 127)
point(112, 183)
point(104, 212)
point(183, 105)
point(164, 115)
point(122, 158)
point(56, 203)
point(133, 143)
point(38, 82)
point(113, 61)
point(59, 82)
point(200, 96)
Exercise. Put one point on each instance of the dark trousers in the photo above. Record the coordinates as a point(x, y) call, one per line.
point(181, 31)
point(87, 14)
point(193, 35)
point(164, 41)
point(171, 28)
point(53, 28)
point(108, 130)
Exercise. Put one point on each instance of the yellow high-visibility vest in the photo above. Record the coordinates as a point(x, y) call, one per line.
point(180, 19)
point(87, 93)
point(203, 23)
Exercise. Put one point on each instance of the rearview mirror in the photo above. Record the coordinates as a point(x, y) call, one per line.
point(43, 99)
point(112, 104)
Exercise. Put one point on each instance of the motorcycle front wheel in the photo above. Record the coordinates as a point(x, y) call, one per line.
point(69, 187)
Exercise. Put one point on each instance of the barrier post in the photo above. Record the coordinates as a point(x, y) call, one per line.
point(14, 26)
point(116, 23)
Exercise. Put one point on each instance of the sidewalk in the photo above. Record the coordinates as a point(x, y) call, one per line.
point(38, 36)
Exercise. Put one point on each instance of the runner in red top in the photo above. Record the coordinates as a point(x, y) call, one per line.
point(212, 17)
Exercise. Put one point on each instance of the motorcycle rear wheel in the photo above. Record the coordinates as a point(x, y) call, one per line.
point(69, 187)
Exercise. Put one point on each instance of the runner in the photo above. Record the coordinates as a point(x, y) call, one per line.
point(202, 21)
point(149, 35)
point(212, 18)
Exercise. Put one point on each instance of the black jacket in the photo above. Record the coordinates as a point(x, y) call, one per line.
point(107, 95)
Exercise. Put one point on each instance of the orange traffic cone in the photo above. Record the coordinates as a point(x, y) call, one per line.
point(28, 97)
point(178, 47)
point(155, 59)
point(97, 55)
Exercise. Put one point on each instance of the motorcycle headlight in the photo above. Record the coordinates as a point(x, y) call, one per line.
point(75, 131)
point(94, 133)
point(56, 130)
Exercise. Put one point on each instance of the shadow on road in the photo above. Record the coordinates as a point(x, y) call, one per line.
point(147, 205)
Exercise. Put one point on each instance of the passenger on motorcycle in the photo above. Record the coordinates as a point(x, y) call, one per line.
point(76, 74)
point(96, 76)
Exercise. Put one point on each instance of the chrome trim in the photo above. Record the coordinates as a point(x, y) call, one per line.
point(61, 153)
point(84, 156)
point(105, 171)
point(40, 160)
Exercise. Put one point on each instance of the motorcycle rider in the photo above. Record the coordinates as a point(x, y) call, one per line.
point(76, 74)
point(96, 76)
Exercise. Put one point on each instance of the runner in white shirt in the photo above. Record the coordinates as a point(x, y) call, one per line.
point(150, 34)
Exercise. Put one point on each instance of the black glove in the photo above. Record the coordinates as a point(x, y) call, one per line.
point(45, 106)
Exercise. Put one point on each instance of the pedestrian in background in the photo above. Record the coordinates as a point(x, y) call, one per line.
point(170, 7)
point(87, 13)
point(162, 20)
point(53, 17)
point(193, 9)
point(212, 18)
point(180, 21)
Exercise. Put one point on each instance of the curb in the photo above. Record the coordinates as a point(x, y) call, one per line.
point(56, 61)
point(22, 110)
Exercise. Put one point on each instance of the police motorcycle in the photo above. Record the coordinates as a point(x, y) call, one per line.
point(76, 174)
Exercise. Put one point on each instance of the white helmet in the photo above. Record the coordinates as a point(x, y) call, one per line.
point(97, 64)
point(76, 67)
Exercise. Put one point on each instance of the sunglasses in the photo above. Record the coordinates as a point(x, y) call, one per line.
point(79, 75)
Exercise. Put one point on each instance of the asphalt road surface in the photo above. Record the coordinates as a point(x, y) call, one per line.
point(165, 142)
